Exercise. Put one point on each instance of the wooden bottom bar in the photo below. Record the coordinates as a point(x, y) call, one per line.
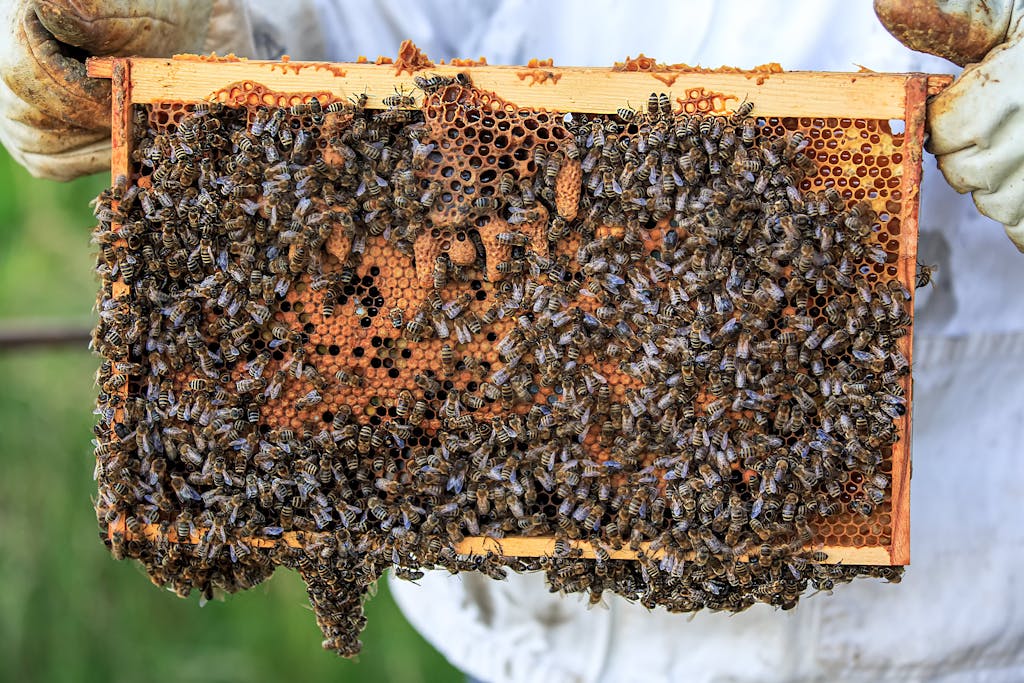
point(513, 546)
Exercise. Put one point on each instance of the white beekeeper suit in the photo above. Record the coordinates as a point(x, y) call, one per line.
point(955, 617)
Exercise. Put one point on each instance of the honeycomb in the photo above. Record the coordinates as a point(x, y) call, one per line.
point(376, 353)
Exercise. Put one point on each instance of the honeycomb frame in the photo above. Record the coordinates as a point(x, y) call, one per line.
point(787, 101)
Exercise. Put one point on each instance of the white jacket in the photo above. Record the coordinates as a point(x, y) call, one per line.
point(955, 617)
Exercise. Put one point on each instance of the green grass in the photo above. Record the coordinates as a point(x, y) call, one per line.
point(68, 610)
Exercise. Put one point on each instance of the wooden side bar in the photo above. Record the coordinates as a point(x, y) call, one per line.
point(120, 165)
point(914, 120)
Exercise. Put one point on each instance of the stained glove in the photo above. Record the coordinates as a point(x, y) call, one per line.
point(976, 126)
point(55, 121)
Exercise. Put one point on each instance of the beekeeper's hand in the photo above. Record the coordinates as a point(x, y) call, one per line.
point(54, 119)
point(976, 126)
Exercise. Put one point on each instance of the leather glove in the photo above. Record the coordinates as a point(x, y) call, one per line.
point(54, 120)
point(976, 126)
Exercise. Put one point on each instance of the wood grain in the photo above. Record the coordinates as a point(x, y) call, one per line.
point(580, 89)
point(120, 165)
point(917, 93)
point(534, 546)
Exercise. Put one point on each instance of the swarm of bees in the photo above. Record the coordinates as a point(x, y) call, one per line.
point(661, 378)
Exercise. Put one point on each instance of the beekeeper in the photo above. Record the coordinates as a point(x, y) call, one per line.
point(958, 616)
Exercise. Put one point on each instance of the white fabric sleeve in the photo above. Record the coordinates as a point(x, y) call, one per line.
point(288, 27)
point(511, 631)
point(54, 120)
point(441, 29)
point(452, 612)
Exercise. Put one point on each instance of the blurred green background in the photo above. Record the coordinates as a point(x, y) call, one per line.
point(68, 610)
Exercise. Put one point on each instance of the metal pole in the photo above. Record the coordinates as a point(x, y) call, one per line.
point(32, 335)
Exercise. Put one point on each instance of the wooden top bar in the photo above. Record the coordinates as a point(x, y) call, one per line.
point(866, 95)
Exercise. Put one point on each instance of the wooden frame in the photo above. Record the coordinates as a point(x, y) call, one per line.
point(864, 95)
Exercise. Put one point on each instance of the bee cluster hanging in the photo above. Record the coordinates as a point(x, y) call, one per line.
point(342, 340)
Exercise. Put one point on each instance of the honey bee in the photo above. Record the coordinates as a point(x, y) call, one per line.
point(571, 149)
point(432, 83)
point(447, 359)
point(664, 106)
point(862, 507)
point(427, 198)
point(427, 383)
point(552, 167)
point(309, 400)
point(789, 506)
point(184, 492)
point(741, 112)
point(399, 99)
point(198, 384)
point(348, 378)
point(879, 480)
point(512, 239)
point(486, 203)
point(924, 275)
point(835, 341)
point(627, 113)
point(414, 330)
